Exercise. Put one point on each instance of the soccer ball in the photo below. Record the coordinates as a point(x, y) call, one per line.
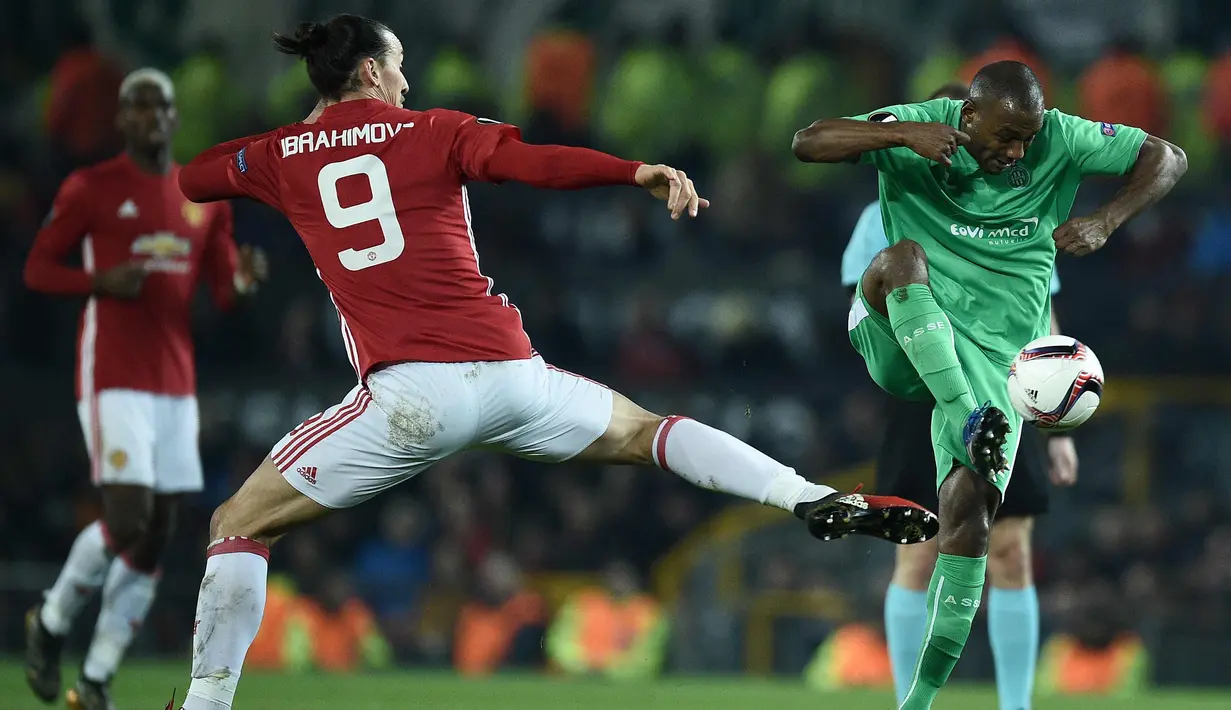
point(1056, 383)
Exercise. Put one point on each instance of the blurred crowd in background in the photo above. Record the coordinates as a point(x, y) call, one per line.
point(735, 318)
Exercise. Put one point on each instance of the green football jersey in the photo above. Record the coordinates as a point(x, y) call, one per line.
point(988, 238)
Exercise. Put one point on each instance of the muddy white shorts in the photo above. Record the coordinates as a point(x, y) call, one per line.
point(411, 415)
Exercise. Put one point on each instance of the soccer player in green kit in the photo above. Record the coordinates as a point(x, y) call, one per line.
point(975, 197)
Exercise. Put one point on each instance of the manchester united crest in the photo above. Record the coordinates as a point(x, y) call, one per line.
point(118, 458)
point(194, 214)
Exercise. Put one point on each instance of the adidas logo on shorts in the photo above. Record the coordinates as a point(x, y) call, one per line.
point(308, 473)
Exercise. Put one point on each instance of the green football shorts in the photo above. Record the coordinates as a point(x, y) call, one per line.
point(873, 338)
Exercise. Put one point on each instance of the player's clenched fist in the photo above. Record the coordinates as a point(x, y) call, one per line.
point(1081, 235)
point(123, 281)
point(674, 186)
point(934, 141)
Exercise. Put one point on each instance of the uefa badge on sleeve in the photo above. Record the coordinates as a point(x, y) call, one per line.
point(1108, 129)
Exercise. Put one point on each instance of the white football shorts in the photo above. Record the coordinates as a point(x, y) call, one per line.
point(140, 438)
point(411, 415)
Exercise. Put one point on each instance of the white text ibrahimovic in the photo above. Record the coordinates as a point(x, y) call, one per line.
point(341, 137)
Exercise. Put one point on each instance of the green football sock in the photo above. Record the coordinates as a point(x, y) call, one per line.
point(953, 600)
point(924, 333)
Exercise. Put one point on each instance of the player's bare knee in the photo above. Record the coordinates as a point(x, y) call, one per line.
point(967, 505)
point(215, 520)
point(230, 520)
point(965, 537)
point(1008, 565)
point(629, 437)
point(127, 513)
point(147, 552)
point(234, 519)
point(632, 442)
point(125, 532)
point(1009, 554)
point(913, 565)
point(902, 264)
point(264, 509)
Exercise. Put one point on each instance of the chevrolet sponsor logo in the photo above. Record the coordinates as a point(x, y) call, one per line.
point(162, 245)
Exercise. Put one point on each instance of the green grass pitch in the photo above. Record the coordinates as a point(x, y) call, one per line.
point(146, 686)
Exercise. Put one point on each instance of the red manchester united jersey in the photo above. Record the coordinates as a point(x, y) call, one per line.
point(114, 213)
point(378, 195)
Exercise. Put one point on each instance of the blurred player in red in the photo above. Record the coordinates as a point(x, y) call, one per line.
point(144, 247)
point(378, 195)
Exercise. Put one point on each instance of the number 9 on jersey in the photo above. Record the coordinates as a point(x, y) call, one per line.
point(379, 209)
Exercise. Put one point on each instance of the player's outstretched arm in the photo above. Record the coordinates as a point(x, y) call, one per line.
point(238, 168)
point(561, 167)
point(843, 140)
point(209, 177)
point(1159, 166)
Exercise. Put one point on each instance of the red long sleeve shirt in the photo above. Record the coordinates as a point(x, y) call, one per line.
point(114, 213)
point(378, 195)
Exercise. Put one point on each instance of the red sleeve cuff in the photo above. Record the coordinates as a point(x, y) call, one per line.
point(632, 171)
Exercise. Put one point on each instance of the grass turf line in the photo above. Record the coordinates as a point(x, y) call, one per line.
point(147, 686)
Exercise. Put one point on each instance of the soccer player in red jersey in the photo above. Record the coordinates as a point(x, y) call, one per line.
point(144, 247)
point(378, 195)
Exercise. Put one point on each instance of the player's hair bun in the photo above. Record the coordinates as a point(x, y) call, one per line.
point(309, 38)
point(333, 50)
point(314, 36)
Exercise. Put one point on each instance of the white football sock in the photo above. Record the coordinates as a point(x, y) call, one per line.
point(709, 458)
point(83, 573)
point(127, 596)
point(229, 610)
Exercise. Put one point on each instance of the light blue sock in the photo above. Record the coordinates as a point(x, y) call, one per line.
point(1013, 627)
point(906, 620)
